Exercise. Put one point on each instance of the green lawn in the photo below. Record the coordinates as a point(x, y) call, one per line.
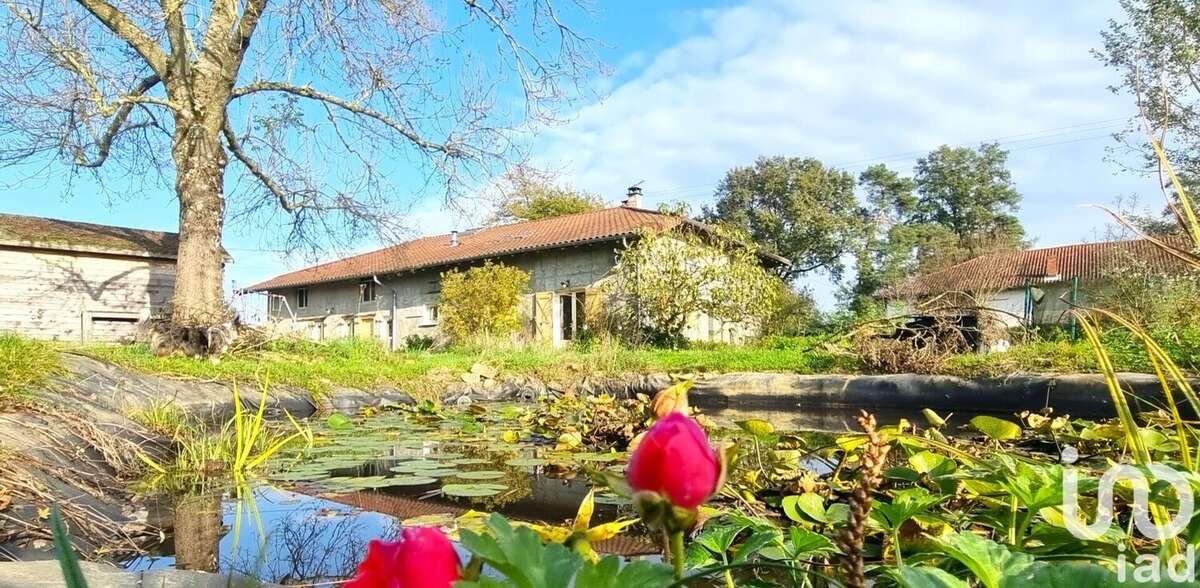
point(366, 365)
point(363, 364)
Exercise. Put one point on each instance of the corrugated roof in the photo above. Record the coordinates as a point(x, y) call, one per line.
point(48, 233)
point(585, 227)
point(1013, 269)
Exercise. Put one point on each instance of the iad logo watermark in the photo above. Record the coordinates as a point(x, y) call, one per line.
point(1147, 567)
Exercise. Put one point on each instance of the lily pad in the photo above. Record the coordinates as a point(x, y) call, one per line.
point(482, 475)
point(471, 461)
point(410, 481)
point(526, 462)
point(473, 490)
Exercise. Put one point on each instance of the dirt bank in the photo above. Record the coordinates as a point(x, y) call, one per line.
point(73, 443)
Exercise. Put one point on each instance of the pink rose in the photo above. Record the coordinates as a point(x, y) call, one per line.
point(675, 461)
point(422, 558)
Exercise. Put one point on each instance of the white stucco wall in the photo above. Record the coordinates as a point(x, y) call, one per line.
point(335, 310)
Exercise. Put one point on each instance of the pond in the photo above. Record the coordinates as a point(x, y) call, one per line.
point(309, 518)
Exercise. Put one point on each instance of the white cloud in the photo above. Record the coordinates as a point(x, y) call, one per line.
point(852, 81)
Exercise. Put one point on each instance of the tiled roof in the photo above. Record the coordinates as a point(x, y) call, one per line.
point(48, 233)
point(1013, 269)
point(585, 227)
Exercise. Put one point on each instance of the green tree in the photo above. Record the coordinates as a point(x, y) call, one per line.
point(797, 208)
point(958, 205)
point(482, 301)
point(882, 256)
point(531, 194)
point(664, 279)
point(970, 192)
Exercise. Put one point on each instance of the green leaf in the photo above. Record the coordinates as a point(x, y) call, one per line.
point(998, 429)
point(905, 505)
point(805, 542)
point(988, 560)
point(757, 427)
point(1063, 575)
point(719, 538)
point(339, 422)
point(755, 542)
point(608, 573)
point(519, 554)
point(934, 419)
point(927, 577)
point(67, 560)
point(808, 503)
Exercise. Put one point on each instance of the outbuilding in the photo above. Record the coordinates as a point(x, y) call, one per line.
point(70, 281)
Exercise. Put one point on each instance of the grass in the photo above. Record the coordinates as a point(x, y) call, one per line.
point(1126, 352)
point(361, 364)
point(320, 368)
point(25, 364)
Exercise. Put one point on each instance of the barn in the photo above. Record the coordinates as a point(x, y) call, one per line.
point(70, 281)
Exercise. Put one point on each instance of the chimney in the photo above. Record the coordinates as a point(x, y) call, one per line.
point(454, 238)
point(633, 198)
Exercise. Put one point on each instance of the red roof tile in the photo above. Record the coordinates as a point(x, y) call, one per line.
point(1012, 269)
point(49, 233)
point(586, 227)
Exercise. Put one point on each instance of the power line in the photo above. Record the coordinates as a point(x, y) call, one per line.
point(683, 192)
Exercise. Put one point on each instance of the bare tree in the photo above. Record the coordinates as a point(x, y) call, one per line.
point(315, 103)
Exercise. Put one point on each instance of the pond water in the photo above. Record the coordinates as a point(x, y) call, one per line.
point(310, 518)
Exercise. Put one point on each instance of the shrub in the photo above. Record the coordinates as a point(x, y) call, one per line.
point(418, 342)
point(482, 301)
point(663, 280)
point(1151, 298)
point(793, 313)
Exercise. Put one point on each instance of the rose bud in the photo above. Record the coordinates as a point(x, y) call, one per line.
point(422, 558)
point(675, 461)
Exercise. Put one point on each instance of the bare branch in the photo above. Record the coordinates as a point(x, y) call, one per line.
point(124, 28)
point(116, 125)
point(235, 147)
point(448, 148)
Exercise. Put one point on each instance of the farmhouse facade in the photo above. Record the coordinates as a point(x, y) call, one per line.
point(393, 293)
point(81, 282)
point(1033, 286)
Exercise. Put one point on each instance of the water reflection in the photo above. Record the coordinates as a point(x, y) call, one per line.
point(295, 537)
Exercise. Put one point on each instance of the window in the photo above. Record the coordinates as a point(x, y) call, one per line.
point(431, 315)
point(367, 286)
point(302, 298)
point(571, 307)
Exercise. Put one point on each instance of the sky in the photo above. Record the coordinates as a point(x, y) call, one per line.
point(696, 89)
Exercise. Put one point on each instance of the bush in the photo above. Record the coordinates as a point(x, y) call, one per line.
point(418, 342)
point(482, 301)
point(1151, 298)
point(663, 280)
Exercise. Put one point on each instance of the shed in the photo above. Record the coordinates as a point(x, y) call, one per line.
point(71, 281)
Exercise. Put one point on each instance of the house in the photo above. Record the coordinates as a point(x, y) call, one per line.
point(70, 281)
point(1033, 286)
point(392, 293)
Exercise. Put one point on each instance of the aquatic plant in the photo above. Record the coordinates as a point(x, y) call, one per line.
point(242, 444)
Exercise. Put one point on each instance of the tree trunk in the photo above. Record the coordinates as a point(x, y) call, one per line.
point(200, 162)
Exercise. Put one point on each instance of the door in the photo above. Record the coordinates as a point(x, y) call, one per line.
point(571, 315)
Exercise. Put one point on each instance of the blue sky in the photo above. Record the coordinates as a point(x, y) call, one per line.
point(697, 89)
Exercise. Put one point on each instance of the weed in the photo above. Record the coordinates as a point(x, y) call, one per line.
point(25, 364)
